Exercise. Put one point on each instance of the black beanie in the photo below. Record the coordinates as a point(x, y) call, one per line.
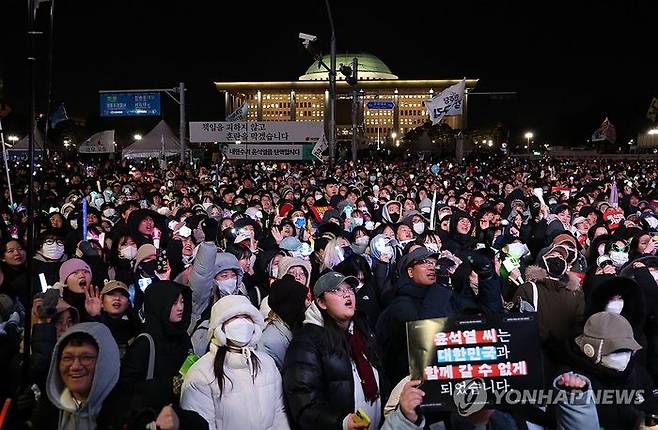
point(288, 300)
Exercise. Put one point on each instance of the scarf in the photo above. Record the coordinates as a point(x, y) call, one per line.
point(357, 344)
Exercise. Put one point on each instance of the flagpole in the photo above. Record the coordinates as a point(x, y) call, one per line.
point(4, 157)
point(51, 38)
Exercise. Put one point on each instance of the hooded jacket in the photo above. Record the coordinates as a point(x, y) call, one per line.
point(318, 379)
point(263, 392)
point(208, 263)
point(84, 417)
point(458, 243)
point(172, 345)
point(386, 216)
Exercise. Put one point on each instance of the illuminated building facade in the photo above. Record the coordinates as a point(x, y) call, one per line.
point(388, 106)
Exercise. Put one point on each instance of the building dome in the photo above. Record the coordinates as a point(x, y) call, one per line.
point(370, 67)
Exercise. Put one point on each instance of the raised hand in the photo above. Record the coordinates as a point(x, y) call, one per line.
point(93, 302)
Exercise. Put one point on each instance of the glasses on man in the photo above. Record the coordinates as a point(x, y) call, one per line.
point(53, 241)
point(85, 359)
point(342, 291)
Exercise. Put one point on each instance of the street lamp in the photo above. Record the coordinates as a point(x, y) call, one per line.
point(12, 138)
point(137, 136)
point(652, 132)
point(490, 143)
point(528, 135)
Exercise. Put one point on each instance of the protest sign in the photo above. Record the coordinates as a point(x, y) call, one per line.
point(466, 362)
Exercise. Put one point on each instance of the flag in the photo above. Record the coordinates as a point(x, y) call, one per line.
point(614, 194)
point(240, 114)
point(653, 110)
point(58, 116)
point(605, 132)
point(449, 102)
point(320, 146)
point(102, 142)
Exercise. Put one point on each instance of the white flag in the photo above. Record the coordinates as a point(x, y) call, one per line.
point(448, 102)
point(102, 142)
point(240, 114)
point(320, 146)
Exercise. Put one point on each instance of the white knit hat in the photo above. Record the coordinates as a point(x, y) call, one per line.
point(226, 308)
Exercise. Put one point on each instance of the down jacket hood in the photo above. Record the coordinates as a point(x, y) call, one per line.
point(313, 315)
point(386, 216)
point(105, 378)
point(227, 261)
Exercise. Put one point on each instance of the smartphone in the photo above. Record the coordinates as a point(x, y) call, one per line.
point(162, 260)
point(361, 418)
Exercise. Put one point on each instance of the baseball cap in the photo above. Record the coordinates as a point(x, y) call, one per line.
point(114, 285)
point(329, 281)
point(416, 256)
point(606, 332)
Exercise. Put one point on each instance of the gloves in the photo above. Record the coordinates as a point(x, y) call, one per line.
point(49, 307)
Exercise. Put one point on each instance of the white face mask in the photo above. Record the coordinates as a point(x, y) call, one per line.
point(419, 227)
point(362, 240)
point(274, 273)
point(74, 223)
point(618, 258)
point(109, 213)
point(128, 252)
point(357, 221)
point(318, 196)
point(615, 306)
point(52, 252)
point(369, 225)
point(227, 286)
point(239, 331)
point(617, 360)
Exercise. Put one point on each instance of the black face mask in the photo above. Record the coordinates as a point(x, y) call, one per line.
point(148, 268)
point(347, 252)
point(555, 266)
point(394, 217)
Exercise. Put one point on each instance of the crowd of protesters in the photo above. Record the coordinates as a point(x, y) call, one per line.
point(275, 295)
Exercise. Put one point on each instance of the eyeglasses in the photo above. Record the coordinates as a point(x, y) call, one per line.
point(428, 263)
point(341, 291)
point(53, 241)
point(86, 360)
point(620, 248)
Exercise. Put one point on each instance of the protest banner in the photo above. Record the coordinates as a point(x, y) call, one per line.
point(468, 362)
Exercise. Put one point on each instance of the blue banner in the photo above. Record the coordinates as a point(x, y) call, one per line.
point(129, 104)
point(380, 104)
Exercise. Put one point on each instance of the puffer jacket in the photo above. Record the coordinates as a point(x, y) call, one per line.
point(245, 403)
point(275, 340)
point(318, 379)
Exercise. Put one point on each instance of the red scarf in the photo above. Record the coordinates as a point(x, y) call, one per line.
point(358, 346)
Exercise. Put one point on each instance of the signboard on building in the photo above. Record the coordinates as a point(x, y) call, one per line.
point(380, 104)
point(256, 131)
point(276, 151)
point(473, 358)
point(130, 104)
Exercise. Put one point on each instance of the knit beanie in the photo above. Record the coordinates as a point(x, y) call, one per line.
point(288, 300)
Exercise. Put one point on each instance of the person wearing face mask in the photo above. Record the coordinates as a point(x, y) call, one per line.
point(214, 275)
point(605, 353)
point(622, 296)
point(618, 253)
point(332, 366)
point(392, 211)
point(233, 385)
point(47, 260)
point(559, 306)
point(359, 240)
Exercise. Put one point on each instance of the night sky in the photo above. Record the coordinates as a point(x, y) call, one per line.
point(572, 63)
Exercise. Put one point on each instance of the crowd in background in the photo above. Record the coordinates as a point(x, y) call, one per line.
point(274, 295)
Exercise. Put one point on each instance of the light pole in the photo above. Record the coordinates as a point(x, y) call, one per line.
point(528, 135)
point(137, 136)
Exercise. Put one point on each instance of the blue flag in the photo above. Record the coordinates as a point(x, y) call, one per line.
point(58, 116)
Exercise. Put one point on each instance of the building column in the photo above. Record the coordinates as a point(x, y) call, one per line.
point(227, 104)
point(293, 106)
point(259, 106)
point(396, 113)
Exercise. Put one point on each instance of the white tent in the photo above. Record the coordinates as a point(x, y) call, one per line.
point(23, 144)
point(154, 143)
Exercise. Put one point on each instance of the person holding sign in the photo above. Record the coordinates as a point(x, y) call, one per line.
point(331, 374)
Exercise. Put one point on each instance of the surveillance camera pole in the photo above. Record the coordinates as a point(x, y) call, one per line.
point(332, 91)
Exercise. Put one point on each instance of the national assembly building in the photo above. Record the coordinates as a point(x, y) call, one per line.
point(389, 107)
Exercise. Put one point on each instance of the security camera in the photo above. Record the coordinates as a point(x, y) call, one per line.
point(307, 38)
